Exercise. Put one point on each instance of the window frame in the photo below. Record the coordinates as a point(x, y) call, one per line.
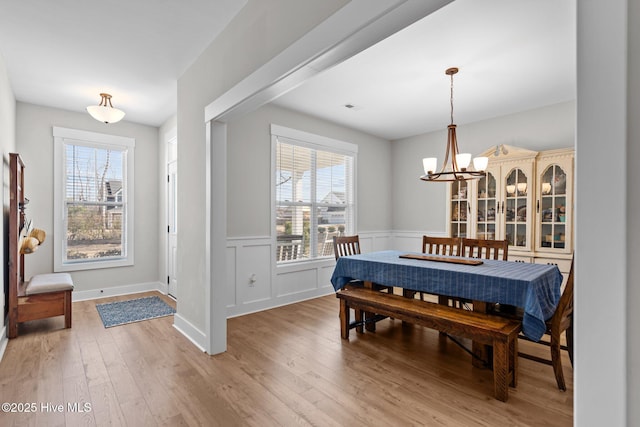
point(61, 138)
point(317, 143)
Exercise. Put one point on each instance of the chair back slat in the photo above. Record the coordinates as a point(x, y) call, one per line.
point(449, 246)
point(346, 245)
point(487, 249)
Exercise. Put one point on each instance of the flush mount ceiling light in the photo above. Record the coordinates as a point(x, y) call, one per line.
point(457, 170)
point(105, 112)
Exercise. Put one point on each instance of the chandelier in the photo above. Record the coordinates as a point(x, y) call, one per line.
point(105, 112)
point(458, 169)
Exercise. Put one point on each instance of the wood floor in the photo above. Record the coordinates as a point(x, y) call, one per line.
point(286, 366)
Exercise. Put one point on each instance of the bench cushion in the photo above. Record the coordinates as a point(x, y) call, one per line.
point(52, 282)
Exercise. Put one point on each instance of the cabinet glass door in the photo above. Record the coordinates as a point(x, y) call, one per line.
point(487, 207)
point(459, 208)
point(553, 189)
point(516, 209)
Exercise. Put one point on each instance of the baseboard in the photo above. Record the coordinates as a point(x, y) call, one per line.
point(119, 290)
point(3, 341)
point(255, 307)
point(193, 334)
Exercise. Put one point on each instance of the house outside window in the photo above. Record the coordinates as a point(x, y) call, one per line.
point(93, 216)
point(314, 193)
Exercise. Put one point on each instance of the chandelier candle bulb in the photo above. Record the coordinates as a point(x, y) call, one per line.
point(480, 163)
point(463, 160)
point(429, 164)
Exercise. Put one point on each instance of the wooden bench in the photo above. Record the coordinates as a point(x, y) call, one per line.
point(484, 328)
point(45, 295)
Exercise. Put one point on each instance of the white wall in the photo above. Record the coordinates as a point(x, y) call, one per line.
point(7, 145)
point(633, 241)
point(35, 145)
point(262, 29)
point(419, 206)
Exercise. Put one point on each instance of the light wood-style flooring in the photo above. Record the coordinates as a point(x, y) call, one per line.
point(286, 366)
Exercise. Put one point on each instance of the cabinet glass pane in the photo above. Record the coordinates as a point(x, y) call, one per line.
point(459, 208)
point(517, 209)
point(487, 206)
point(553, 214)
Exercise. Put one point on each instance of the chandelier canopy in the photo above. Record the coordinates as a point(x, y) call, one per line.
point(456, 164)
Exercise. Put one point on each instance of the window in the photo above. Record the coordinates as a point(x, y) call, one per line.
point(93, 216)
point(314, 193)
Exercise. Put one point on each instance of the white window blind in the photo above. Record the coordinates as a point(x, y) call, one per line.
point(315, 198)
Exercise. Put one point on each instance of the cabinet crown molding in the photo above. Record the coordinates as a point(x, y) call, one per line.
point(501, 152)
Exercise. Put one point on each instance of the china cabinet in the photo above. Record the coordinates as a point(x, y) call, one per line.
point(526, 198)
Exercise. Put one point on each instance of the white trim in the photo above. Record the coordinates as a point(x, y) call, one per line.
point(3, 341)
point(64, 136)
point(115, 291)
point(193, 334)
point(171, 136)
point(95, 137)
point(313, 141)
point(216, 237)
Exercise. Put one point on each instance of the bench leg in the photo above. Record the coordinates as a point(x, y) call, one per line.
point(67, 309)
point(358, 319)
point(344, 319)
point(513, 361)
point(12, 330)
point(501, 356)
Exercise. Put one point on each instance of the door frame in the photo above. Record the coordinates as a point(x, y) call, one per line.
point(171, 156)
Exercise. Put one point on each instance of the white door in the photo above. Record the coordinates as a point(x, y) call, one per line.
point(172, 228)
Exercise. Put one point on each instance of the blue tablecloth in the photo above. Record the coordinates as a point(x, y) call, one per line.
point(533, 287)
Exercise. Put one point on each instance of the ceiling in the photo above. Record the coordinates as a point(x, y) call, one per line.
point(513, 55)
point(64, 53)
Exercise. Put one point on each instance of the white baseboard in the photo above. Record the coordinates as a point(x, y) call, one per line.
point(3, 341)
point(193, 334)
point(119, 290)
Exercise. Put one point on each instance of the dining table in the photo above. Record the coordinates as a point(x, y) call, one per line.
point(535, 288)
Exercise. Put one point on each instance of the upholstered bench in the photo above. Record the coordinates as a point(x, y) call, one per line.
point(52, 282)
point(45, 295)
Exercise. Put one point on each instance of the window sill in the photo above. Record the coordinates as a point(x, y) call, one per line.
point(92, 265)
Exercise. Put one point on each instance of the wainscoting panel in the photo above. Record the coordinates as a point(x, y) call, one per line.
point(253, 279)
point(411, 241)
point(256, 282)
point(296, 282)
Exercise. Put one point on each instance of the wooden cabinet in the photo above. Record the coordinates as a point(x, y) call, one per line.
point(526, 198)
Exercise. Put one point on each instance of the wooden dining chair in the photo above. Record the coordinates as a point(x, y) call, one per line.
point(487, 249)
point(561, 321)
point(346, 245)
point(448, 246)
point(350, 245)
